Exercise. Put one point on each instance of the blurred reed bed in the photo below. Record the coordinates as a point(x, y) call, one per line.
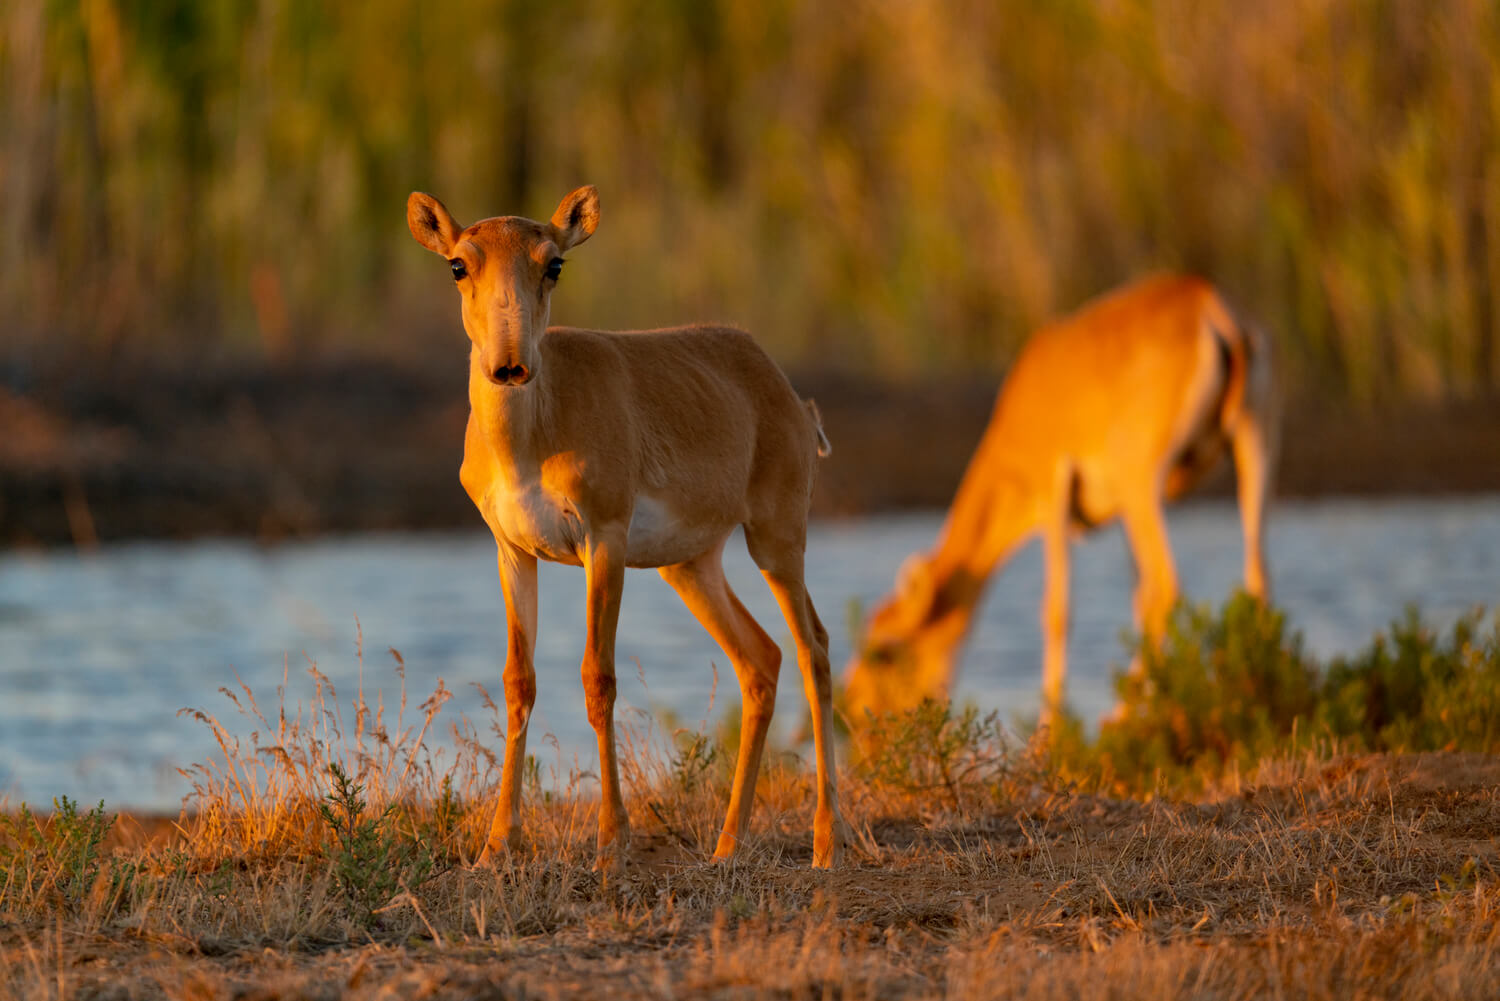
point(878, 186)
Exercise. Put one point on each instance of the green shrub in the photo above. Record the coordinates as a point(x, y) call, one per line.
point(935, 751)
point(372, 859)
point(1224, 690)
point(1414, 690)
point(1220, 690)
point(59, 858)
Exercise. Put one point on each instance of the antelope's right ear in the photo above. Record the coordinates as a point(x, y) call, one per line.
point(431, 224)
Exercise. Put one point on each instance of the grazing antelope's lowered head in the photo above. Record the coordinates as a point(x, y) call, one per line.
point(505, 269)
point(906, 652)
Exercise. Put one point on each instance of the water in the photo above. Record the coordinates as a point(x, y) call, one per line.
point(98, 652)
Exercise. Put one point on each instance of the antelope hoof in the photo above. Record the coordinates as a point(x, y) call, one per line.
point(828, 844)
point(492, 856)
point(726, 847)
point(609, 862)
point(611, 856)
point(498, 850)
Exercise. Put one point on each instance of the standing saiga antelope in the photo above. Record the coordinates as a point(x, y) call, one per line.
point(1106, 414)
point(609, 450)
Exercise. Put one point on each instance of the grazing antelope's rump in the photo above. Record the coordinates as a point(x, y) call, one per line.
point(1105, 414)
point(645, 449)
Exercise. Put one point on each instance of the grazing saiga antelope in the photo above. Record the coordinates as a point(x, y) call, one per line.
point(609, 450)
point(1106, 414)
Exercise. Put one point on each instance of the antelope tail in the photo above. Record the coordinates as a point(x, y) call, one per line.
point(825, 449)
point(1237, 346)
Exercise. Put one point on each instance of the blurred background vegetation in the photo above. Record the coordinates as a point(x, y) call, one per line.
point(893, 188)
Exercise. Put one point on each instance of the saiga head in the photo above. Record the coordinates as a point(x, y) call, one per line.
point(905, 655)
point(505, 269)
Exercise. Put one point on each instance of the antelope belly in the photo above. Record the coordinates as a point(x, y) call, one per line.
point(658, 538)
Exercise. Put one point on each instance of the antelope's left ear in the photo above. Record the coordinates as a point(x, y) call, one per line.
point(576, 218)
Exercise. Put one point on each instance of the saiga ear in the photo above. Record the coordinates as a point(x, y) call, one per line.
point(576, 218)
point(915, 585)
point(431, 224)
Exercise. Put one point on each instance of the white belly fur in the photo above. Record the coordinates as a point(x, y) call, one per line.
point(550, 529)
point(658, 538)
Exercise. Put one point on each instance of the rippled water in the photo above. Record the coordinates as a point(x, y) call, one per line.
point(98, 652)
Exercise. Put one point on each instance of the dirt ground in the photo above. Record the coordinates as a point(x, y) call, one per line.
point(344, 446)
point(1370, 877)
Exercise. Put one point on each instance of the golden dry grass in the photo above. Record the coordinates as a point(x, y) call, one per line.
point(1322, 876)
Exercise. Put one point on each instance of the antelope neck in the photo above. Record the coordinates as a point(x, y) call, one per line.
point(510, 417)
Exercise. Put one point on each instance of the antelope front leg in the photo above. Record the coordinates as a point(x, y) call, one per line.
point(605, 563)
point(518, 581)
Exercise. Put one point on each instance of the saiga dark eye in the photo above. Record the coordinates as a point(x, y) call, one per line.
point(459, 271)
point(554, 268)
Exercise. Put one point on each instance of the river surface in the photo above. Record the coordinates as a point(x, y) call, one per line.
point(99, 651)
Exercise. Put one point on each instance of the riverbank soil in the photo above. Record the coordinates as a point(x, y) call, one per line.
point(349, 446)
point(1375, 877)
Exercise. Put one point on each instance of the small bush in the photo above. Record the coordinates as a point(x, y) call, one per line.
point(1224, 690)
point(371, 858)
point(59, 858)
point(934, 751)
point(1220, 690)
point(1414, 690)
